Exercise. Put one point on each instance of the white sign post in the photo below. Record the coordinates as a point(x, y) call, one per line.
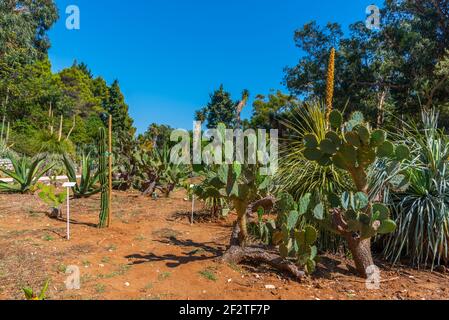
point(68, 185)
point(193, 203)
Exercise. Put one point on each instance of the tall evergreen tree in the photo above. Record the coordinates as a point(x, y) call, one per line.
point(116, 106)
point(220, 109)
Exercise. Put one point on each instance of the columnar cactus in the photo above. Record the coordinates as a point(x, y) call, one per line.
point(103, 158)
point(354, 147)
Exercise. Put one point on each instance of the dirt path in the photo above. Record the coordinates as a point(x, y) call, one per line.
point(152, 252)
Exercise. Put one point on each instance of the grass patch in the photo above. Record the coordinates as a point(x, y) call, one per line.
point(119, 272)
point(100, 288)
point(163, 276)
point(208, 274)
point(48, 237)
point(62, 268)
point(86, 278)
point(111, 248)
point(148, 286)
point(105, 260)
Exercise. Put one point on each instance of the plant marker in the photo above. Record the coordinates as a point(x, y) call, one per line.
point(68, 185)
point(193, 203)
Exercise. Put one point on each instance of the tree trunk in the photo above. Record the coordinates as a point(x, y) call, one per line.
point(243, 235)
point(361, 253)
point(236, 255)
point(380, 108)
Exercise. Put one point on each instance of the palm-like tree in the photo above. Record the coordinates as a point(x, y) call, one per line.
point(240, 106)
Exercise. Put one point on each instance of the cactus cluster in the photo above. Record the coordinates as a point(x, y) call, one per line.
point(351, 150)
point(103, 158)
point(295, 238)
point(353, 147)
point(238, 184)
point(364, 218)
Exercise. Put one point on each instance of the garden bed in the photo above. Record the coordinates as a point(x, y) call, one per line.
point(152, 252)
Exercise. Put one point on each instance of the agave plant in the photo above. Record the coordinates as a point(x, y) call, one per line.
point(422, 210)
point(88, 184)
point(297, 175)
point(157, 172)
point(25, 175)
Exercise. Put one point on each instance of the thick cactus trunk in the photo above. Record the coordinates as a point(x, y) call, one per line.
point(361, 253)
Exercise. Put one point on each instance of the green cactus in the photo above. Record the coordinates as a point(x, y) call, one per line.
point(239, 185)
point(295, 239)
point(354, 147)
point(103, 158)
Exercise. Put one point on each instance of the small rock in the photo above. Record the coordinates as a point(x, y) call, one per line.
point(229, 280)
point(127, 284)
point(270, 287)
point(101, 265)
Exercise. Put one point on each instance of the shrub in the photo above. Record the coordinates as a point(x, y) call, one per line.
point(422, 211)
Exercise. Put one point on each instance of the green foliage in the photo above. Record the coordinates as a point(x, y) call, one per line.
point(48, 194)
point(208, 191)
point(88, 185)
point(261, 229)
point(298, 175)
point(354, 152)
point(156, 171)
point(421, 209)
point(296, 239)
point(26, 174)
point(103, 173)
point(156, 136)
point(31, 295)
point(239, 185)
point(379, 70)
point(220, 109)
point(269, 111)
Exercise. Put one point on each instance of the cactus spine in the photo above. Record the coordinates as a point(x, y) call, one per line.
point(104, 213)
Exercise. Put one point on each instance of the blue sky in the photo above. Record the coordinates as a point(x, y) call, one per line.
point(170, 54)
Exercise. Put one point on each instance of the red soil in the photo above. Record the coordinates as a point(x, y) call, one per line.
point(152, 252)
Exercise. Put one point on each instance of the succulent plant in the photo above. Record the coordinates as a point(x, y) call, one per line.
point(295, 238)
point(239, 184)
point(354, 148)
point(104, 213)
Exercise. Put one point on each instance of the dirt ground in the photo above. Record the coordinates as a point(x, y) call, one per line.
point(152, 252)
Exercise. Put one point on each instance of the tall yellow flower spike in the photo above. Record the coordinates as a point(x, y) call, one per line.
point(330, 84)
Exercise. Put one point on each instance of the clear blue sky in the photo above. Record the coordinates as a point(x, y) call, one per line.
point(170, 54)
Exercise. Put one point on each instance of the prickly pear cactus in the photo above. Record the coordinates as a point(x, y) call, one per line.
point(354, 148)
point(295, 239)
